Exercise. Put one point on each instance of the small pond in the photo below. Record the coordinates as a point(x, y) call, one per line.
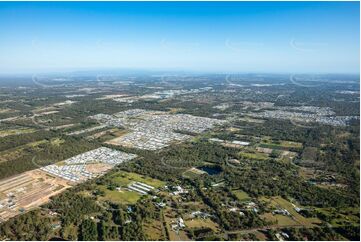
point(211, 170)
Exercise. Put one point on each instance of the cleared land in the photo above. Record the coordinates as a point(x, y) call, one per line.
point(108, 135)
point(124, 196)
point(34, 188)
point(202, 223)
point(8, 132)
point(295, 219)
point(283, 144)
point(6, 110)
point(26, 191)
point(122, 180)
point(170, 218)
point(241, 195)
point(254, 156)
point(347, 216)
point(154, 230)
point(193, 172)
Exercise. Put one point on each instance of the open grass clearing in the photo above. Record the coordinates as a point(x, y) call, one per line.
point(280, 220)
point(123, 178)
point(343, 216)
point(285, 220)
point(108, 134)
point(202, 223)
point(193, 173)
point(9, 132)
point(241, 195)
point(281, 203)
point(57, 141)
point(254, 156)
point(260, 236)
point(288, 155)
point(291, 144)
point(170, 218)
point(154, 230)
point(123, 197)
point(283, 144)
point(5, 110)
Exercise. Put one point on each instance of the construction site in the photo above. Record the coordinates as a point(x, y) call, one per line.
point(28, 190)
point(23, 192)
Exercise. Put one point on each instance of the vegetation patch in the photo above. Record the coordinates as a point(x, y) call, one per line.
point(193, 173)
point(202, 223)
point(241, 195)
point(115, 189)
point(254, 156)
point(282, 145)
point(124, 196)
point(281, 203)
point(348, 216)
point(123, 178)
point(8, 132)
point(153, 230)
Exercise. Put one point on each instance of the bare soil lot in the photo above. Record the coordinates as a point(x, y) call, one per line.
point(26, 191)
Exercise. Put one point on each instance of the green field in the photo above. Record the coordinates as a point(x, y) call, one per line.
point(190, 174)
point(290, 144)
point(280, 144)
point(295, 218)
point(56, 141)
point(123, 196)
point(8, 132)
point(123, 179)
point(153, 229)
point(193, 173)
point(342, 216)
point(202, 223)
point(241, 195)
point(254, 156)
point(280, 220)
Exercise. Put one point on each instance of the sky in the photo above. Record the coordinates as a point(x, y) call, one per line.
point(272, 37)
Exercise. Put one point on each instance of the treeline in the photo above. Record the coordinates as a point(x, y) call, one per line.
point(17, 140)
point(107, 222)
point(322, 233)
point(272, 178)
point(29, 226)
point(171, 162)
point(44, 154)
point(217, 199)
point(339, 147)
point(285, 130)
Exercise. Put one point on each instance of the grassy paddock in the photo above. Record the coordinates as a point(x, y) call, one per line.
point(294, 219)
point(241, 195)
point(123, 179)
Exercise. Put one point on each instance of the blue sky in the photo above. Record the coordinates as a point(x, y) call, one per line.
point(288, 37)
